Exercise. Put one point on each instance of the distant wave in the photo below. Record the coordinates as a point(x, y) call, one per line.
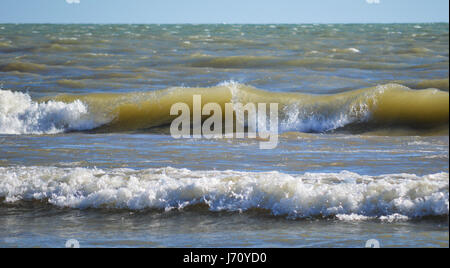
point(383, 107)
point(26, 67)
point(434, 83)
point(240, 62)
point(344, 195)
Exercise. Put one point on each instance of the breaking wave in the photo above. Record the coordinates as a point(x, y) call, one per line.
point(344, 195)
point(19, 114)
point(381, 107)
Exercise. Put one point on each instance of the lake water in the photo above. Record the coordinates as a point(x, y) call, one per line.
point(86, 152)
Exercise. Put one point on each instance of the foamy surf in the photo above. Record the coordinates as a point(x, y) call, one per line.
point(19, 114)
point(344, 195)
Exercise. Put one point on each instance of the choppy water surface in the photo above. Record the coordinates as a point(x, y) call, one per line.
point(86, 152)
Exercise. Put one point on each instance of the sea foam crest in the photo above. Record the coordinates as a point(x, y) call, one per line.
point(316, 117)
point(313, 115)
point(345, 195)
point(19, 114)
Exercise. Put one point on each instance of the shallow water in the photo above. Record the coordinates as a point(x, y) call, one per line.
point(86, 153)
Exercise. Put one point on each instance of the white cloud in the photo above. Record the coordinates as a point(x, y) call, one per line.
point(72, 1)
point(373, 1)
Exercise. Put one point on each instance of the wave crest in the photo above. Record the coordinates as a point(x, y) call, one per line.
point(20, 115)
point(341, 195)
point(388, 106)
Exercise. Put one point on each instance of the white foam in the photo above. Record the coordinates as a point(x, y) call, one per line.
point(318, 117)
point(354, 50)
point(345, 195)
point(418, 143)
point(394, 218)
point(351, 50)
point(352, 217)
point(306, 117)
point(19, 114)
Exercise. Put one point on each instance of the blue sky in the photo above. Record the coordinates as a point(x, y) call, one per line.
point(223, 11)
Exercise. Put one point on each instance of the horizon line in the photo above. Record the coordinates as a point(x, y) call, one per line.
point(223, 23)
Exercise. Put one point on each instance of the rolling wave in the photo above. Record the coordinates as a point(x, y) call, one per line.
point(382, 107)
point(242, 62)
point(26, 67)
